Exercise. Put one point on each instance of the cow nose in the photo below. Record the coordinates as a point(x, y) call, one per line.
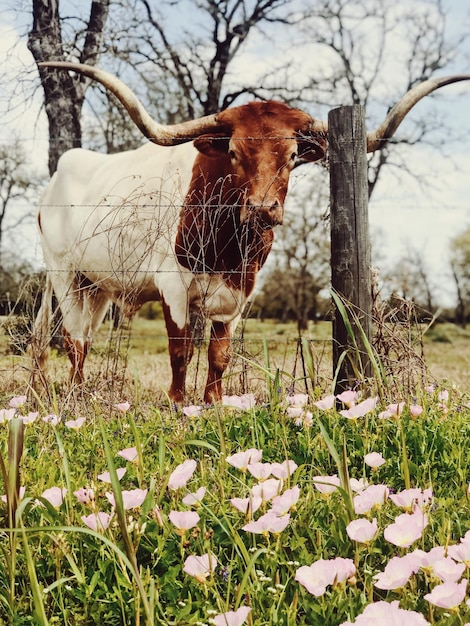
point(273, 213)
point(270, 213)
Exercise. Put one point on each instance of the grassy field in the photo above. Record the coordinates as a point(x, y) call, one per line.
point(122, 359)
point(122, 510)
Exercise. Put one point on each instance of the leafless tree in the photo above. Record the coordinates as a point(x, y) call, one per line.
point(64, 93)
point(301, 267)
point(411, 279)
point(370, 52)
point(460, 269)
point(16, 182)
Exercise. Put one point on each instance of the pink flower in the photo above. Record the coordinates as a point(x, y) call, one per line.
point(242, 459)
point(397, 573)
point(326, 484)
point(300, 416)
point(85, 495)
point(348, 397)
point(51, 419)
point(460, 552)
point(260, 471)
point(232, 618)
point(181, 474)
point(358, 485)
point(244, 402)
point(393, 410)
point(443, 396)
point(192, 410)
point(448, 570)
point(326, 404)
point(122, 407)
point(407, 498)
point(448, 595)
point(283, 503)
point(267, 523)
point(416, 410)
point(75, 424)
point(316, 577)
point(97, 521)
point(406, 529)
point(396, 409)
point(247, 505)
point(194, 499)
point(361, 530)
point(344, 569)
point(30, 418)
point(372, 496)
point(201, 567)
point(374, 459)
point(129, 454)
point(387, 614)
point(298, 400)
point(284, 469)
point(20, 495)
point(429, 558)
point(361, 409)
point(184, 520)
point(267, 489)
point(7, 414)
point(105, 477)
point(295, 413)
point(130, 499)
point(54, 495)
point(17, 401)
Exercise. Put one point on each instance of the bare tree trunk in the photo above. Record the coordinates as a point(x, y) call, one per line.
point(63, 93)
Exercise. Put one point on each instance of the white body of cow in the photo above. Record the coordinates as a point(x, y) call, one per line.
point(122, 241)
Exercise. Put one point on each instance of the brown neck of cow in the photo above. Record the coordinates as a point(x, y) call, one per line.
point(210, 237)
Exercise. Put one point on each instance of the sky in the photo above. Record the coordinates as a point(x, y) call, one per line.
point(402, 213)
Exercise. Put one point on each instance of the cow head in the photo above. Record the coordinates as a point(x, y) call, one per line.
point(251, 160)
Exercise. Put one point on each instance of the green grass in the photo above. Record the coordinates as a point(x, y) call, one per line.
point(132, 572)
point(56, 570)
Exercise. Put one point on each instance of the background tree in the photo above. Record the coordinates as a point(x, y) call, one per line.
point(300, 267)
point(410, 279)
point(460, 268)
point(357, 42)
point(16, 182)
point(64, 93)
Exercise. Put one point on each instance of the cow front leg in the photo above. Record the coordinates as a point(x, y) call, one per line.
point(219, 353)
point(181, 350)
point(77, 351)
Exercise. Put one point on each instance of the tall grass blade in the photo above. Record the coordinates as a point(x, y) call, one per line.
point(348, 314)
point(39, 609)
point(342, 466)
point(121, 516)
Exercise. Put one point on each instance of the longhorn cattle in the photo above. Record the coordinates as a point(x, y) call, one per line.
point(187, 219)
point(190, 224)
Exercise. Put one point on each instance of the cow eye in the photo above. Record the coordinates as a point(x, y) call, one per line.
point(294, 156)
point(232, 154)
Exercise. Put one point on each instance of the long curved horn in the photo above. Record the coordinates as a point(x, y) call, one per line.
point(161, 134)
point(397, 113)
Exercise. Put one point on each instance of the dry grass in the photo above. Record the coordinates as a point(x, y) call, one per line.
point(134, 362)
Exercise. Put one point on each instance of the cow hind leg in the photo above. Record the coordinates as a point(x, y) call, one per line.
point(83, 313)
point(219, 354)
point(181, 348)
point(41, 337)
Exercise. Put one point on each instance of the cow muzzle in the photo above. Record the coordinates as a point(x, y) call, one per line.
point(265, 213)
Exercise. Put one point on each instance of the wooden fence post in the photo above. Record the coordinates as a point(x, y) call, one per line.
point(350, 242)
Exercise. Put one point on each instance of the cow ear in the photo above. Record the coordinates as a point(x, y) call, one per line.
point(212, 145)
point(311, 148)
